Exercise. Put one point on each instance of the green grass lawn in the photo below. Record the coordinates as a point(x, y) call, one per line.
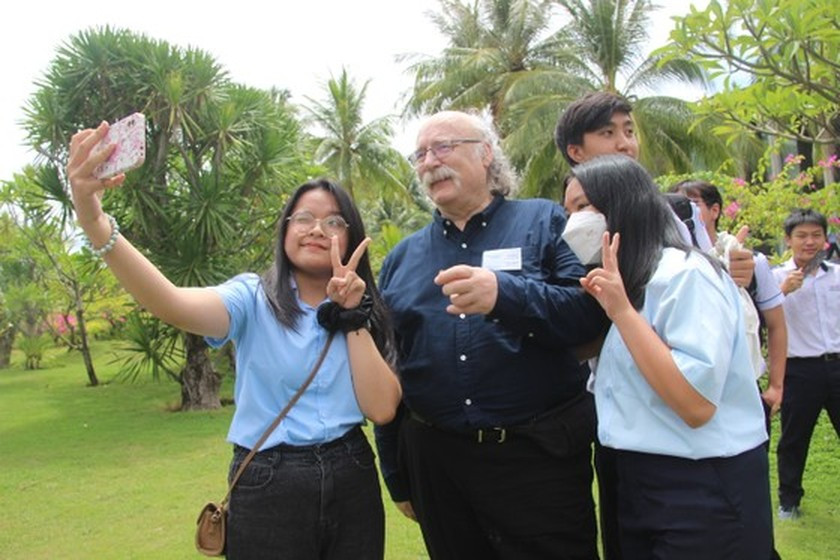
point(110, 472)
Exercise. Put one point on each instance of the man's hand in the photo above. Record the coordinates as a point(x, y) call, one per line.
point(471, 290)
point(793, 281)
point(406, 509)
point(773, 397)
point(741, 261)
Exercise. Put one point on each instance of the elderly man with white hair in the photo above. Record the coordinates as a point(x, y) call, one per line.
point(492, 454)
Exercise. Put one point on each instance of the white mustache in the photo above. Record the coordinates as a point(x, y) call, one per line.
point(438, 174)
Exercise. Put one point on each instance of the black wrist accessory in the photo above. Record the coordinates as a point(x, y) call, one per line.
point(333, 317)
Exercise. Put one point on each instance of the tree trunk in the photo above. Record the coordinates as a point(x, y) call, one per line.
point(80, 321)
point(199, 381)
point(7, 340)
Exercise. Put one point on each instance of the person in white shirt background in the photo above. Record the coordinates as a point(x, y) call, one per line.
point(764, 291)
point(812, 380)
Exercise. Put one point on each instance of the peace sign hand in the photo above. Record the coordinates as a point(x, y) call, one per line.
point(345, 287)
point(85, 157)
point(605, 283)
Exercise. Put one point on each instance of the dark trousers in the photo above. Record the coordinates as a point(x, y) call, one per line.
point(525, 497)
point(605, 468)
point(670, 507)
point(312, 502)
point(811, 385)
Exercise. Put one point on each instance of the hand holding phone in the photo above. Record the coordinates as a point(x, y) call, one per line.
point(129, 134)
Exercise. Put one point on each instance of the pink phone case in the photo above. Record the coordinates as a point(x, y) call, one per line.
point(129, 134)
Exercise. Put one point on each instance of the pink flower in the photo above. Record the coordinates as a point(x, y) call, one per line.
point(834, 220)
point(790, 158)
point(732, 210)
point(830, 162)
point(739, 182)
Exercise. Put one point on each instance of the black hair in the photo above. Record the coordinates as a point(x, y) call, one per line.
point(621, 189)
point(801, 216)
point(277, 280)
point(707, 192)
point(587, 114)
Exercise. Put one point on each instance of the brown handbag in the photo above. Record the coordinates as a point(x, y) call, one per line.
point(212, 521)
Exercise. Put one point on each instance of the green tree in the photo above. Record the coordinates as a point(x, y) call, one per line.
point(493, 44)
point(779, 61)
point(605, 42)
point(357, 153)
point(219, 158)
point(506, 56)
point(71, 279)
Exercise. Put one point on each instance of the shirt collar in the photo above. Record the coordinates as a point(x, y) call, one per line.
point(482, 217)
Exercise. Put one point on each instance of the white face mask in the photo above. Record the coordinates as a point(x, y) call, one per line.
point(583, 234)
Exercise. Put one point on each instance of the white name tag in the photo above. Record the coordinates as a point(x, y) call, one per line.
point(502, 259)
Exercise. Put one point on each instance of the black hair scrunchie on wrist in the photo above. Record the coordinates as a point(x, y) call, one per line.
point(333, 317)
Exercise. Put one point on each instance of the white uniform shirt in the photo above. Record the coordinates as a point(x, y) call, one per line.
point(695, 311)
point(767, 292)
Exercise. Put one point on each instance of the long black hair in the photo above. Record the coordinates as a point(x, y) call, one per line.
point(277, 280)
point(621, 189)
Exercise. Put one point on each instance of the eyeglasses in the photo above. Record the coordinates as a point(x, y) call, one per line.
point(305, 221)
point(440, 149)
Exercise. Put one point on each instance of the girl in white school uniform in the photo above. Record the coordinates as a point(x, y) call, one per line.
point(674, 389)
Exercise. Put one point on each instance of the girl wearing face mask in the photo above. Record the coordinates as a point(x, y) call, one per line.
point(674, 391)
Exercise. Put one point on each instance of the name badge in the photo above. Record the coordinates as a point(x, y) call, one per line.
point(502, 259)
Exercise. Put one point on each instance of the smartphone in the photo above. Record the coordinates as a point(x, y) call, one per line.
point(814, 263)
point(129, 134)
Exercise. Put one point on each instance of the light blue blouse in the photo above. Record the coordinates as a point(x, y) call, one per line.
point(271, 364)
point(696, 312)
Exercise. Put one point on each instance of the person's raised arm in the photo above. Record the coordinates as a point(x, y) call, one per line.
point(649, 351)
point(377, 388)
point(196, 310)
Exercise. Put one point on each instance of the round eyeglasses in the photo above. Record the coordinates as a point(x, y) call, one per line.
point(305, 221)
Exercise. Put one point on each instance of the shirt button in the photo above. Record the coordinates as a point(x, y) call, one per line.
point(462, 316)
point(463, 245)
point(495, 320)
point(463, 357)
point(483, 224)
point(530, 335)
point(468, 402)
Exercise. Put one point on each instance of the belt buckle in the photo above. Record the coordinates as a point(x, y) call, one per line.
point(499, 433)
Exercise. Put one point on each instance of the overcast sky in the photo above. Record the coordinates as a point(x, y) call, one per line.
point(295, 45)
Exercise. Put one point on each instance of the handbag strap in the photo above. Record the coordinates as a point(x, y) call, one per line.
point(279, 418)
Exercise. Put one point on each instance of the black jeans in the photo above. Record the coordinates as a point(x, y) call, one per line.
point(312, 502)
point(811, 384)
point(526, 495)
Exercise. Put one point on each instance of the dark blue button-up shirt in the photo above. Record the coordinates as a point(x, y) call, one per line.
point(471, 371)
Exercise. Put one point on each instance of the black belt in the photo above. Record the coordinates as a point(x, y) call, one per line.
point(827, 357)
point(495, 434)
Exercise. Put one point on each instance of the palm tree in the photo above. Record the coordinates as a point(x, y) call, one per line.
point(493, 44)
point(525, 74)
point(608, 39)
point(358, 154)
point(218, 154)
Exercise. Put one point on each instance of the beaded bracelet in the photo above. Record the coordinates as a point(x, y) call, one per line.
point(112, 240)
